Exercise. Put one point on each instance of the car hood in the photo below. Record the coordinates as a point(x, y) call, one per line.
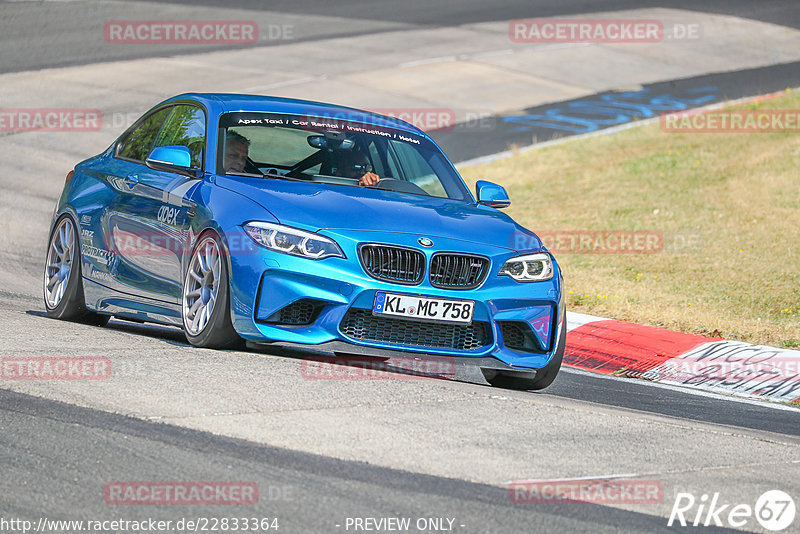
point(315, 206)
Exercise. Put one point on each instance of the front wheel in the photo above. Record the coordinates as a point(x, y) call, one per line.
point(206, 298)
point(63, 288)
point(544, 376)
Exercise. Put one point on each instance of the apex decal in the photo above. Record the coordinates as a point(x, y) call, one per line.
point(168, 215)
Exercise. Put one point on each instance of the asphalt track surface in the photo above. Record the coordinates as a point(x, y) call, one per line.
point(306, 493)
point(57, 455)
point(54, 34)
point(464, 12)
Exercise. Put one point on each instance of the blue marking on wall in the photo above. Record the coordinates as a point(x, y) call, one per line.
point(610, 109)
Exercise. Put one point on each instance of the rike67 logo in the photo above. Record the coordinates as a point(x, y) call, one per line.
point(774, 510)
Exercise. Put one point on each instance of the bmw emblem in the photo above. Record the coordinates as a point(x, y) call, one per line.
point(425, 242)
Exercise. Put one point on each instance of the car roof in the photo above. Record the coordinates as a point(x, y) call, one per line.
point(218, 103)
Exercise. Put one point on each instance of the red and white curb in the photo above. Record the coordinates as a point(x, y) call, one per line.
point(618, 348)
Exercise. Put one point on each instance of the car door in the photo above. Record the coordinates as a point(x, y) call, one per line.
point(102, 261)
point(148, 223)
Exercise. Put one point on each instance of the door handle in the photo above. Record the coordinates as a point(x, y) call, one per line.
point(131, 180)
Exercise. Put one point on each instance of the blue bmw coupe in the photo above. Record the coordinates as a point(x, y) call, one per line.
point(270, 220)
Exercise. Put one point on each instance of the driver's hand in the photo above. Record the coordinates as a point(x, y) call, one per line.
point(369, 178)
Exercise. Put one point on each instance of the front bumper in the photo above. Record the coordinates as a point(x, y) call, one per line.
point(265, 282)
point(357, 362)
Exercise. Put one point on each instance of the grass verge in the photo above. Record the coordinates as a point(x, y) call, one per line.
point(727, 206)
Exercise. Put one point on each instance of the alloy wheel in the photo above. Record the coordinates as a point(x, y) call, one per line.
point(59, 262)
point(201, 286)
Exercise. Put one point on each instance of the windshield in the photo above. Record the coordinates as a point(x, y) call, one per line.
point(333, 151)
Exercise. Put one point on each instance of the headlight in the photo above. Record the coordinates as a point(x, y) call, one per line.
point(293, 241)
point(529, 268)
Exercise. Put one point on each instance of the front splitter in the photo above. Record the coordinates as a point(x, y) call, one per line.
point(372, 363)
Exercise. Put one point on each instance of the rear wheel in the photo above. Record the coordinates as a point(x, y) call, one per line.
point(63, 287)
point(544, 376)
point(206, 298)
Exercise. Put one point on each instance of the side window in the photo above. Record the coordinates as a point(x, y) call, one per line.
point(137, 144)
point(186, 126)
point(417, 170)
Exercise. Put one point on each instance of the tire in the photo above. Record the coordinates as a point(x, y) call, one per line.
point(62, 284)
point(205, 302)
point(544, 376)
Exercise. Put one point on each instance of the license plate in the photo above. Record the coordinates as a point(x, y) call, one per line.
point(423, 308)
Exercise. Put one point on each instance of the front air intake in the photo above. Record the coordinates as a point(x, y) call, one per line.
point(362, 325)
point(458, 271)
point(398, 265)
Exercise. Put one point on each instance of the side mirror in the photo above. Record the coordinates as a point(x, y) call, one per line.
point(171, 159)
point(492, 195)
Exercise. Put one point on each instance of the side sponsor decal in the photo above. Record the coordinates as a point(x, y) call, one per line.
point(99, 255)
point(100, 275)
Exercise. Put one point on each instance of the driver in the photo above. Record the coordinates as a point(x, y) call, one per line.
point(355, 164)
point(237, 147)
